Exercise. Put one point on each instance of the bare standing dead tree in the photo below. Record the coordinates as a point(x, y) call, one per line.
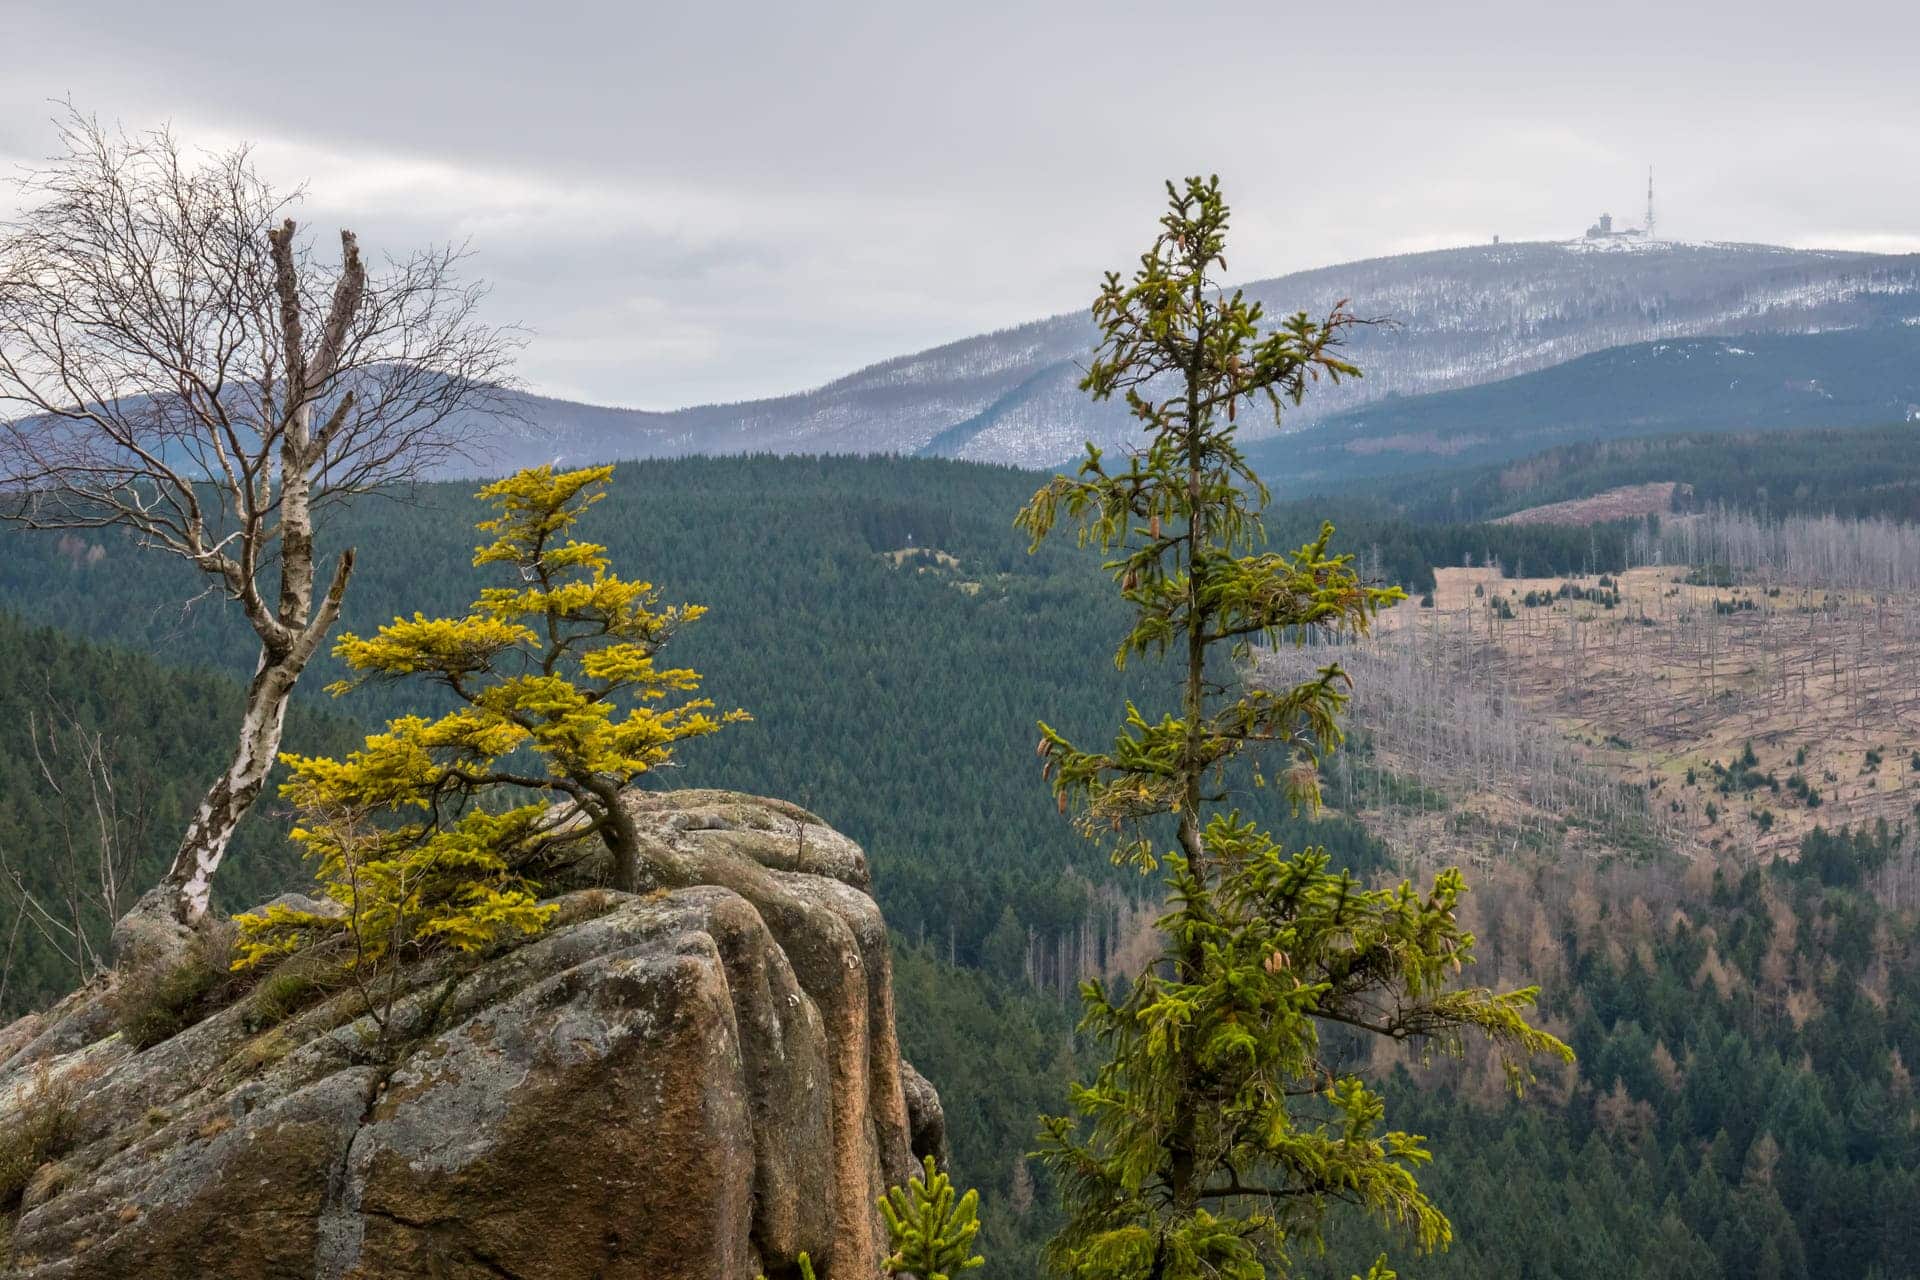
point(179, 362)
point(75, 890)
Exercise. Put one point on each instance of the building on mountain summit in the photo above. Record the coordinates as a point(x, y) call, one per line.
point(1605, 230)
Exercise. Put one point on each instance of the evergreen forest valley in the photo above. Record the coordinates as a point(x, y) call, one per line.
point(1403, 768)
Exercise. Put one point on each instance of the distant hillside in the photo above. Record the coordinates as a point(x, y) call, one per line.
point(1461, 317)
point(1849, 471)
point(1836, 378)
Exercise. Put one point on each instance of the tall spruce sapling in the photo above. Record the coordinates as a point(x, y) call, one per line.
point(931, 1226)
point(425, 832)
point(1218, 1134)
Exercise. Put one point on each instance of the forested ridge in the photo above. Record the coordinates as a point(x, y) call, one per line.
point(1856, 472)
point(892, 689)
point(1862, 375)
point(895, 642)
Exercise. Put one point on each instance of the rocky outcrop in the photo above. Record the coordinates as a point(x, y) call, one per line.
point(701, 1080)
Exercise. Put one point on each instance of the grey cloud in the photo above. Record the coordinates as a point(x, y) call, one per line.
point(712, 202)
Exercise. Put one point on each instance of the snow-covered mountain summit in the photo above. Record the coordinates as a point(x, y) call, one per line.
point(1460, 317)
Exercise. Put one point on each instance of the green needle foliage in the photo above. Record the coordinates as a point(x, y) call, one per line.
point(931, 1233)
point(1221, 1131)
point(560, 704)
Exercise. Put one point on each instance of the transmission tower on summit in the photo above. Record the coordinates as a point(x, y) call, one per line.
point(1604, 230)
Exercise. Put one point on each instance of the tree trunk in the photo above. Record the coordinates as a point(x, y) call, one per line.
point(1183, 1141)
point(622, 837)
point(161, 920)
point(233, 793)
point(159, 923)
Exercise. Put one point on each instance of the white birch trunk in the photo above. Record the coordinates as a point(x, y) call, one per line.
point(189, 881)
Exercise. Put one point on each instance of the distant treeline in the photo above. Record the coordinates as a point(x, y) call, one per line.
point(1397, 548)
point(1857, 472)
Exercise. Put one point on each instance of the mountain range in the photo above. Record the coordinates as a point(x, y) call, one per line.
point(1451, 318)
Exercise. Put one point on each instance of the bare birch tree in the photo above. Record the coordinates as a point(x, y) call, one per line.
point(178, 361)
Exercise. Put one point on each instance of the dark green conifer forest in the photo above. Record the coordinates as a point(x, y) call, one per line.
point(164, 728)
point(1743, 1104)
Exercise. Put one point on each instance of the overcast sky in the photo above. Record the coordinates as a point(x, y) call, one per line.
point(705, 201)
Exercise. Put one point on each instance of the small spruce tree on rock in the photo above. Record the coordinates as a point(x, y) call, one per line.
point(561, 704)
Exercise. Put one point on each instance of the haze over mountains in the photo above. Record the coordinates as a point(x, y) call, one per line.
point(1460, 318)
